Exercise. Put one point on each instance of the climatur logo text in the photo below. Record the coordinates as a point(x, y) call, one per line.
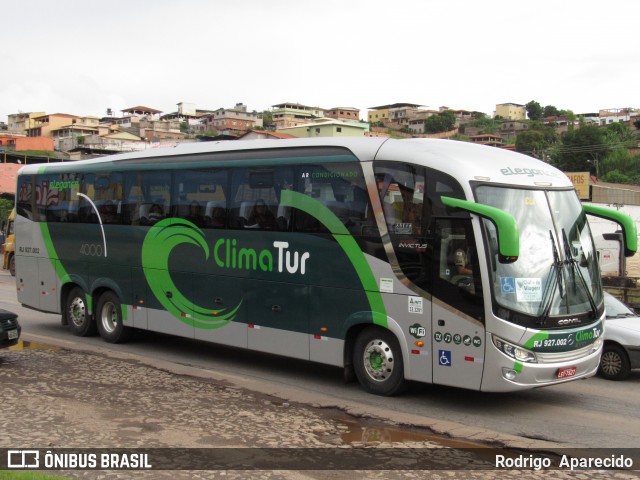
point(227, 253)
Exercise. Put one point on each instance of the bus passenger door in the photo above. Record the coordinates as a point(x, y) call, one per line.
point(457, 307)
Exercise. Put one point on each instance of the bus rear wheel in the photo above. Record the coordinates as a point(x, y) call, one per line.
point(12, 265)
point(109, 318)
point(77, 314)
point(377, 361)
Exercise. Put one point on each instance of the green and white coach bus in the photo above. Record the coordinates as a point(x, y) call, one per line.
point(427, 260)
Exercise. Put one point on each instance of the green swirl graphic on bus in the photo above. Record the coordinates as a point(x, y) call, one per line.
point(157, 247)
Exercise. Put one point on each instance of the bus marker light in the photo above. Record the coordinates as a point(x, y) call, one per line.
point(419, 344)
point(323, 329)
point(415, 352)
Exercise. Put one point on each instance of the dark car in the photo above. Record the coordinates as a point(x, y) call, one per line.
point(621, 352)
point(9, 329)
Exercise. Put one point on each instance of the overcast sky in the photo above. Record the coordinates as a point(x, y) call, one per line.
point(81, 57)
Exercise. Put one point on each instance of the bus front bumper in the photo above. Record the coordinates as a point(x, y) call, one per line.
point(509, 375)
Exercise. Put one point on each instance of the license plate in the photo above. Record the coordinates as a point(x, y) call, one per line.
point(567, 372)
point(13, 334)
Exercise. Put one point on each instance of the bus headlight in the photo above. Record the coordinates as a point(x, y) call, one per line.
point(517, 353)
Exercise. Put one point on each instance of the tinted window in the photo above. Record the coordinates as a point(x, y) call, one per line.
point(146, 198)
point(24, 196)
point(256, 198)
point(341, 188)
point(199, 196)
point(433, 244)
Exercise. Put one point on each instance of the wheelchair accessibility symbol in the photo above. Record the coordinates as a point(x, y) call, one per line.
point(508, 284)
point(444, 358)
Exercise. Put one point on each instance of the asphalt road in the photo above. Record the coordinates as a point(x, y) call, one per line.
point(584, 413)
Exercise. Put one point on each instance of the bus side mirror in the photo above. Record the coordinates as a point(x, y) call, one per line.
point(506, 227)
point(627, 224)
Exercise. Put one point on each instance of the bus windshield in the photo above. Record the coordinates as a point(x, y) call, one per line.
point(556, 273)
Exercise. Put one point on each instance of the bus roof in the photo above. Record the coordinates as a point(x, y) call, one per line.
point(458, 159)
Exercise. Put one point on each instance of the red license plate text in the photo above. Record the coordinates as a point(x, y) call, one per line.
point(567, 372)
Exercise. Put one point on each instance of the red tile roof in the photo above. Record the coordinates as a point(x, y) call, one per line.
point(8, 173)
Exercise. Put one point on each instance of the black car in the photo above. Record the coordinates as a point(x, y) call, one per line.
point(9, 329)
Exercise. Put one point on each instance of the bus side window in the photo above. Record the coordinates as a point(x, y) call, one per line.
point(341, 188)
point(256, 198)
point(146, 197)
point(25, 196)
point(108, 197)
point(199, 196)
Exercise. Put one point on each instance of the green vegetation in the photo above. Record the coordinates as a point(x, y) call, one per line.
point(5, 209)
point(604, 151)
point(33, 153)
point(442, 122)
point(267, 118)
point(536, 140)
point(485, 123)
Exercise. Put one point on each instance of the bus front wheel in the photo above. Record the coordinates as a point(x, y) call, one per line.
point(377, 361)
point(77, 314)
point(109, 317)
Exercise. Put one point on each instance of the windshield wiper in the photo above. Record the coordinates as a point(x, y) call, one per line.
point(576, 269)
point(548, 295)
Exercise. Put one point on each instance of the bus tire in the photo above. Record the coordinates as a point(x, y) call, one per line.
point(12, 265)
point(109, 319)
point(614, 362)
point(378, 363)
point(77, 314)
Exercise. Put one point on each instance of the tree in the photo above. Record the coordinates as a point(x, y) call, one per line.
point(550, 111)
point(5, 208)
point(536, 140)
point(580, 149)
point(615, 176)
point(442, 122)
point(619, 134)
point(531, 142)
point(267, 118)
point(534, 110)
